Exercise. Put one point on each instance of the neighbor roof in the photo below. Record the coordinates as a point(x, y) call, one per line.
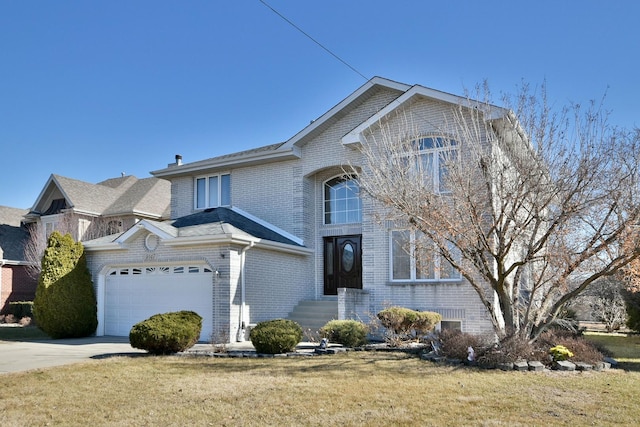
point(117, 196)
point(12, 235)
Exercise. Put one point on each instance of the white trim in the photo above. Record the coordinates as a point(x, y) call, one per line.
point(172, 241)
point(52, 179)
point(228, 161)
point(239, 240)
point(143, 225)
point(207, 191)
point(355, 136)
point(437, 261)
point(324, 204)
point(376, 81)
point(15, 262)
point(286, 151)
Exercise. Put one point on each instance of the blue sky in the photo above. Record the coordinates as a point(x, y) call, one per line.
point(89, 90)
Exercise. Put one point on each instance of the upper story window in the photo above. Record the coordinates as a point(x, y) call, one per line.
point(434, 155)
point(213, 191)
point(342, 203)
point(414, 258)
point(49, 227)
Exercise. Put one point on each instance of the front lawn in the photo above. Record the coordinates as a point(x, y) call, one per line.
point(356, 388)
point(625, 348)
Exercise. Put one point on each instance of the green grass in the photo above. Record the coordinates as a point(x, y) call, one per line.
point(624, 347)
point(21, 333)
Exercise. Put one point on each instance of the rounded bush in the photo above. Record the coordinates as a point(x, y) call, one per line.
point(276, 336)
point(350, 333)
point(167, 333)
point(65, 302)
point(404, 320)
point(21, 309)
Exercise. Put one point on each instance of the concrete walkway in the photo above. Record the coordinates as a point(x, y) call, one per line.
point(16, 356)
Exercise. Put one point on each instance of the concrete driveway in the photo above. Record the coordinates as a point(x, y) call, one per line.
point(18, 356)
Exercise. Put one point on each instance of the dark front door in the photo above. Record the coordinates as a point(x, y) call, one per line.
point(342, 263)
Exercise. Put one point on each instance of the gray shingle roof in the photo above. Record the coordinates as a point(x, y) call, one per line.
point(117, 196)
point(12, 236)
point(213, 221)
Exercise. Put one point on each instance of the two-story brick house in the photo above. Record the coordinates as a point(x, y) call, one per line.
point(255, 233)
point(88, 210)
point(15, 282)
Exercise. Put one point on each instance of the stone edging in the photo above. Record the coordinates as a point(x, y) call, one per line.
point(520, 366)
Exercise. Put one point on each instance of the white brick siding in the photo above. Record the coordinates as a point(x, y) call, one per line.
point(289, 194)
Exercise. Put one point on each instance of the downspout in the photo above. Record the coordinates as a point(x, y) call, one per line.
point(242, 324)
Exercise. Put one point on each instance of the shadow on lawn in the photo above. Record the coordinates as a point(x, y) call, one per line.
point(630, 366)
point(22, 333)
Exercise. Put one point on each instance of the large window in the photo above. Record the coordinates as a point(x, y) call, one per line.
point(213, 191)
point(435, 154)
point(414, 258)
point(342, 203)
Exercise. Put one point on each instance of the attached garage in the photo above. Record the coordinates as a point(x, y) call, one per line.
point(158, 267)
point(132, 294)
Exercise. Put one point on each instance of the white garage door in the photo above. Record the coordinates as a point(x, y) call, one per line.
point(134, 294)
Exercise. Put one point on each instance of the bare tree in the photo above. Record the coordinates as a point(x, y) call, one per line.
point(79, 227)
point(37, 241)
point(528, 204)
point(605, 300)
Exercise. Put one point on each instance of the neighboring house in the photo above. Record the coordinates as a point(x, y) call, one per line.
point(256, 234)
point(89, 211)
point(15, 282)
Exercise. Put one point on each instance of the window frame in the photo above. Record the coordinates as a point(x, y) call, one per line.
point(221, 197)
point(450, 325)
point(341, 179)
point(440, 145)
point(413, 262)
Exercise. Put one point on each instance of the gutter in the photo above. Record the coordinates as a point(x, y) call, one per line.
point(227, 162)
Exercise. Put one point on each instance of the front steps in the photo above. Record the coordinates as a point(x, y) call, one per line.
point(312, 315)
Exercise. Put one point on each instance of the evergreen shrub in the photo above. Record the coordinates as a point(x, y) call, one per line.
point(402, 321)
point(21, 309)
point(167, 333)
point(276, 336)
point(65, 302)
point(350, 333)
point(632, 302)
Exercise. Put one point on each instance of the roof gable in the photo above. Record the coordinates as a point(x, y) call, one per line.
point(289, 149)
point(355, 136)
point(349, 102)
point(216, 225)
point(125, 195)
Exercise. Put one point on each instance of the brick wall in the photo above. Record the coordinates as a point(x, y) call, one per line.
point(289, 195)
point(274, 283)
point(16, 285)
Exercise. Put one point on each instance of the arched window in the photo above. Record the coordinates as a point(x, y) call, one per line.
point(342, 203)
point(433, 156)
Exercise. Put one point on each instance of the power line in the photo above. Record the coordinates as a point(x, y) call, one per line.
point(314, 40)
